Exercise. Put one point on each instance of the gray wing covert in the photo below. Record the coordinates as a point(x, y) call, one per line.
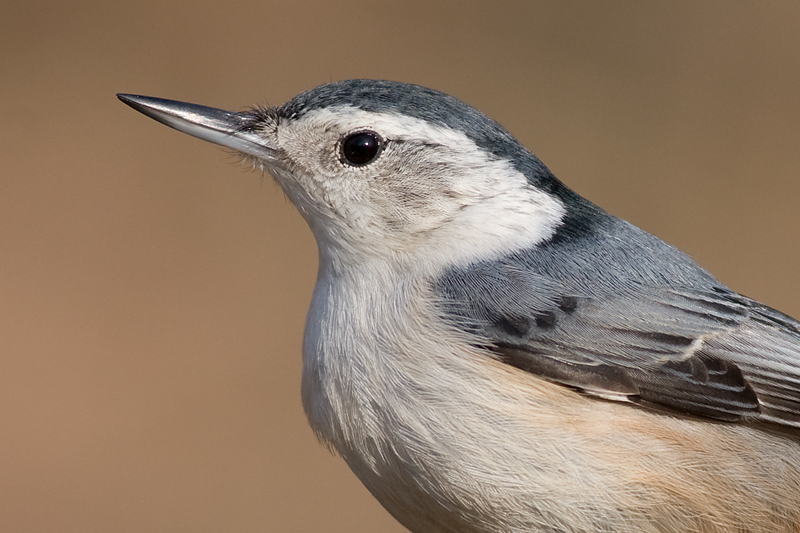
point(707, 351)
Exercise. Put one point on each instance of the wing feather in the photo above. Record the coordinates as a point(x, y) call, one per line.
point(706, 351)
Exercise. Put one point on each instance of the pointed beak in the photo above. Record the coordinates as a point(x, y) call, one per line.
point(218, 126)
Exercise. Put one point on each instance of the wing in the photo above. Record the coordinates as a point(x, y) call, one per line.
point(699, 348)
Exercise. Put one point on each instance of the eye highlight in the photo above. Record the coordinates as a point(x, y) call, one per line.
point(361, 148)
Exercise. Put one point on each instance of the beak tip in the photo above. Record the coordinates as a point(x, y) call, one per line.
point(135, 101)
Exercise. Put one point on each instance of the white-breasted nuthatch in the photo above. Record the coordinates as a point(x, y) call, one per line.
point(490, 352)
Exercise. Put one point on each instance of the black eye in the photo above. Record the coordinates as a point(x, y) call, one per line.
point(361, 147)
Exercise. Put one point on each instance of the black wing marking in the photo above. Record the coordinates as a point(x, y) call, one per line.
point(706, 351)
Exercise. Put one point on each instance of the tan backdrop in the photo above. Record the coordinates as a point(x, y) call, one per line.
point(152, 292)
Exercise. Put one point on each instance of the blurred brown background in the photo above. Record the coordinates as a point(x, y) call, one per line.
point(153, 293)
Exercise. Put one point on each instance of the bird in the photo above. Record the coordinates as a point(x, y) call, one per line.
point(491, 352)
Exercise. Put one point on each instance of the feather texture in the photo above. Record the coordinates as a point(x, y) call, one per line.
point(685, 343)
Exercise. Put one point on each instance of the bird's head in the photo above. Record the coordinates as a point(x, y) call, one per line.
point(389, 171)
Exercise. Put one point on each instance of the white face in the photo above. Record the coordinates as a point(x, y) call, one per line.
point(430, 192)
